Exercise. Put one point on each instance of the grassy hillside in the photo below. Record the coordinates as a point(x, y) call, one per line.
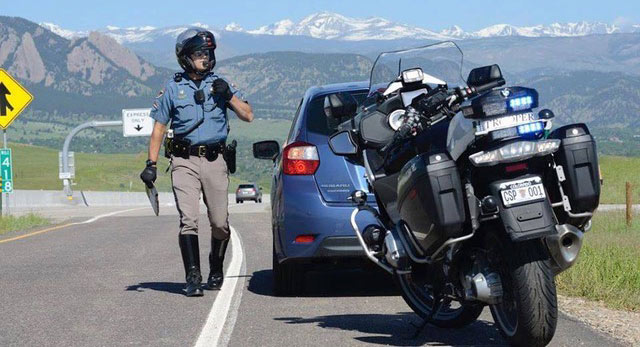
point(36, 167)
point(615, 172)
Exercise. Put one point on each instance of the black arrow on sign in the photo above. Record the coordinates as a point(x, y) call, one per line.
point(138, 127)
point(4, 104)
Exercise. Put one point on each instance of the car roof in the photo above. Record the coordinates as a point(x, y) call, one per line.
point(334, 88)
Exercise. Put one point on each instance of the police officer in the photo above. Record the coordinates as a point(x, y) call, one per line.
point(195, 102)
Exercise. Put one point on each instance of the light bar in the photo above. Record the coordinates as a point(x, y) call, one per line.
point(515, 151)
point(521, 103)
point(530, 128)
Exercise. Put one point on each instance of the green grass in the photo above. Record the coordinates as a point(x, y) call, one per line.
point(11, 223)
point(616, 171)
point(36, 167)
point(608, 268)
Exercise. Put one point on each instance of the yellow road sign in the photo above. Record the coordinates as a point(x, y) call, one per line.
point(14, 98)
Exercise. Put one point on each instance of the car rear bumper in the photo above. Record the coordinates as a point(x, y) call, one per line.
point(306, 213)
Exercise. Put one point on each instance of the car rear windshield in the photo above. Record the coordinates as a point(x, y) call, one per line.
point(245, 186)
point(318, 123)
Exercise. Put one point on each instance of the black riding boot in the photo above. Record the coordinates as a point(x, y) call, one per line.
point(216, 261)
point(191, 259)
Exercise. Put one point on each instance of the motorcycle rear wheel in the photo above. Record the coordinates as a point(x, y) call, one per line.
point(420, 299)
point(528, 313)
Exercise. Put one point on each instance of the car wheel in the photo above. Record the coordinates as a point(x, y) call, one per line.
point(237, 201)
point(287, 278)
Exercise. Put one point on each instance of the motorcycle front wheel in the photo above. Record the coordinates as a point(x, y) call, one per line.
point(528, 313)
point(420, 298)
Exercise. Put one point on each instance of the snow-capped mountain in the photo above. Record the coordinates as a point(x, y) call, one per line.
point(326, 25)
point(333, 26)
point(148, 33)
point(67, 34)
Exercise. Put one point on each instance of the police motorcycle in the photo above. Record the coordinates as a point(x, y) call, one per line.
point(479, 202)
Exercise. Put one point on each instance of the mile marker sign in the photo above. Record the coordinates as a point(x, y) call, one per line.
point(136, 122)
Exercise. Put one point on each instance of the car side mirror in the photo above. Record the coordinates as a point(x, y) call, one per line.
point(339, 105)
point(266, 150)
point(484, 75)
point(342, 143)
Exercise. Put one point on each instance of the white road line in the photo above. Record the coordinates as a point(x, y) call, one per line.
point(107, 215)
point(222, 310)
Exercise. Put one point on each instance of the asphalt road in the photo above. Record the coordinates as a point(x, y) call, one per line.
point(119, 280)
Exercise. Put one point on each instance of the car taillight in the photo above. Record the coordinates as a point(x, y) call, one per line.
point(300, 158)
point(304, 238)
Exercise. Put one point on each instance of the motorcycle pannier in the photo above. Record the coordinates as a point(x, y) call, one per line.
point(431, 200)
point(579, 160)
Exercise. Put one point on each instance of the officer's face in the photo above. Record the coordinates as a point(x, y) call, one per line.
point(200, 59)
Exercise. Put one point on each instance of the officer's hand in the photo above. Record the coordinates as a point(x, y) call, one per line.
point(148, 175)
point(221, 87)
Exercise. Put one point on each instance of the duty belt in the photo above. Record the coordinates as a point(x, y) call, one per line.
point(206, 150)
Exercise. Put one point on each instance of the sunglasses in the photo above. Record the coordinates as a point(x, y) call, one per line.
point(200, 54)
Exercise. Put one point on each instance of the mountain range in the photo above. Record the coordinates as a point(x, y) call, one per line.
point(593, 78)
point(333, 26)
point(84, 75)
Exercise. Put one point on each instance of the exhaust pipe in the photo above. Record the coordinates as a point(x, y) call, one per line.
point(564, 247)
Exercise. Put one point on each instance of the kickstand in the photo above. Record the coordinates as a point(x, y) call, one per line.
point(435, 308)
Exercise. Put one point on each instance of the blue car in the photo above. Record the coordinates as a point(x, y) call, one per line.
point(310, 211)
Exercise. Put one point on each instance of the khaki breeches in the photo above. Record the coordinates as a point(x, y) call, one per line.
point(192, 177)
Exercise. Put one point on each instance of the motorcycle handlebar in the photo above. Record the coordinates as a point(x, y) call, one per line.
point(490, 85)
point(439, 99)
point(400, 134)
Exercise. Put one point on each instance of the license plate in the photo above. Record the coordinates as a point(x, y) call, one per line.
point(528, 189)
point(487, 126)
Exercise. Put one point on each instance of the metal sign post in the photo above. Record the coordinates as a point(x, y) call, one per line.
point(65, 174)
point(135, 122)
point(6, 172)
point(14, 98)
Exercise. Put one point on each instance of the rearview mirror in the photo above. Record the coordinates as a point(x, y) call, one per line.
point(339, 105)
point(342, 143)
point(266, 150)
point(484, 75)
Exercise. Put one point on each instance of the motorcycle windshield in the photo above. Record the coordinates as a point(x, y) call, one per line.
point(442, 60)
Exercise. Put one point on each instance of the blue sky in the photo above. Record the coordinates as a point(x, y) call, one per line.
point(470, 15)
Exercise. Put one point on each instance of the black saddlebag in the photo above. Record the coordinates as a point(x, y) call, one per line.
point(431, 200)
point(579, 160)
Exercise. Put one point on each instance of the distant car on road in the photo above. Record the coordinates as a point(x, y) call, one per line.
point(310, 212)
point(248, 191)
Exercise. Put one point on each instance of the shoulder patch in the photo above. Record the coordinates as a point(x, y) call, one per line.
point(177, 77)
point(160, 93)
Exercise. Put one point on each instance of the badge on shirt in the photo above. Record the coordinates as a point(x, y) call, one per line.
point(181, 94)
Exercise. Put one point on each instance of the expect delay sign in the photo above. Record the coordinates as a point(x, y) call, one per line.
point(136, 122)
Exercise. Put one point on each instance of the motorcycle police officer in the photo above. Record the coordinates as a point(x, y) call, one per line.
point(196, 102)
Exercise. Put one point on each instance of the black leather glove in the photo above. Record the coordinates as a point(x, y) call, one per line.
point(221, 87)
point(148, 175)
